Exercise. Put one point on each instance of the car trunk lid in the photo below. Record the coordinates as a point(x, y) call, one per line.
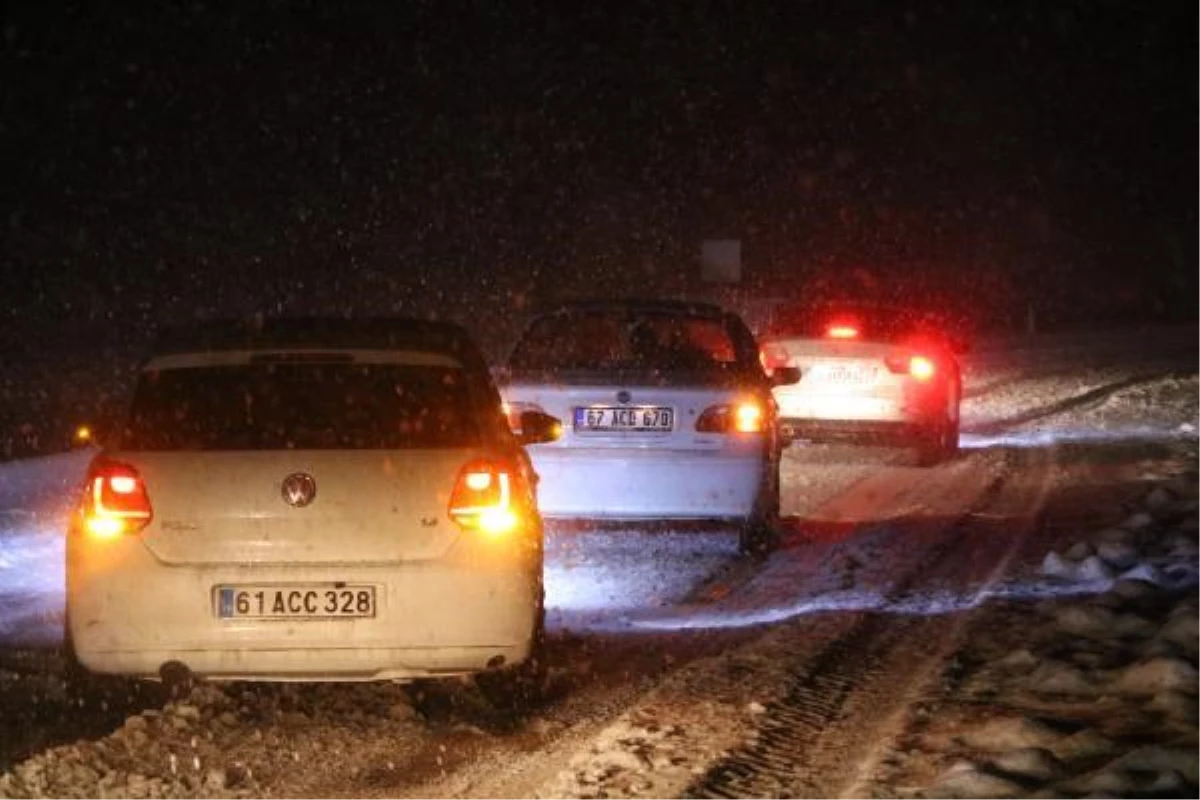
point(242, 507)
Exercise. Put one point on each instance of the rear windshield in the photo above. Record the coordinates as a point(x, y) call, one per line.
point(621, 340)
point(875, 323)
point(280, 406)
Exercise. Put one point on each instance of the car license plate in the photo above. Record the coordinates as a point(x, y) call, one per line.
point(295, 602)
point(624, 418)
point(847, 374)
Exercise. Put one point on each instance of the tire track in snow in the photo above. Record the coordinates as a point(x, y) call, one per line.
point(839, 699)
point(1075, 402)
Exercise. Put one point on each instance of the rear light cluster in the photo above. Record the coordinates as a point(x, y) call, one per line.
point(744, 417)
point(115, 500)
point(919, 367)
point(490, 497)
point(773, 355)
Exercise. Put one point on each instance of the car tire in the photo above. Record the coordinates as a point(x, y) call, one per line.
point(89, 691)
point(939, 444)
point(520, 686)
point(758, 534)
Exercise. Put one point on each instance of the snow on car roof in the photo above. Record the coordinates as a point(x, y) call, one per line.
point(374, 333)
point(668, 306)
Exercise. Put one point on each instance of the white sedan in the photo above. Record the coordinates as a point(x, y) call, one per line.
point(309, 500)
point(667, 415)
point(869, 373)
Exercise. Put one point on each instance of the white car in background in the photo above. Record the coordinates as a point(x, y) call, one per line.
point(309, 500)
point(869, 374)
point(666, 414)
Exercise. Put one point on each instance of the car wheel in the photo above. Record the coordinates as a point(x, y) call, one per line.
point(941, 442)
point(758, 534)
point(89, 691)
point(520, 686)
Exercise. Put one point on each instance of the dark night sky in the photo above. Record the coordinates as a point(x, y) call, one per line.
point(384, 156)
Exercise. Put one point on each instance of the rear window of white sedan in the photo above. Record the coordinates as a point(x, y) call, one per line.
point(301, 406)
point(618, 341)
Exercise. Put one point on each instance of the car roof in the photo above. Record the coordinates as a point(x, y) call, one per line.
point(337, 333)
point(695, 308)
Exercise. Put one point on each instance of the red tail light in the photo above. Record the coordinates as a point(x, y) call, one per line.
point(773, 355)
point(919, 367)
point(842, 331)
point(115, 500)
point(744, 417)
point(489, 497)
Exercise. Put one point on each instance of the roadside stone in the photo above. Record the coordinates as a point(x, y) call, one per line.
point(1182, 629)
point(1133, 588)
point(185, 711)
point(1175, 705)
point(1118, 555)
point(1113, 535)
point(1154, 758)
point(1021, 660)
point(1082, 619)
point(1011, 733)
point(1093, 568)
point(1079, 551)
point(1156, 675)
point(975, 782)
point(402, 712)
point(214, 780)
point(1137, 521)
point(1056, 566)
point(1054, 677)
point(1160, 498)
point(1036, 763)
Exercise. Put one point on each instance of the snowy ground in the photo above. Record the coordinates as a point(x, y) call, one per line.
point(1019, 622)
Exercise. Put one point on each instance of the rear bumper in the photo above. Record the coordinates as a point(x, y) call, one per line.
point(864, 431)
point(129, 614)
point(580, 483)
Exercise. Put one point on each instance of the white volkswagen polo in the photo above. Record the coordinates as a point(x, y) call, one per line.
point(667, 414)
point(309, 500)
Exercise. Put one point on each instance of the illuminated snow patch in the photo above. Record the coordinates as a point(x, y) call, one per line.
point(932, 604)
point(1046, 436)
point(622, 570)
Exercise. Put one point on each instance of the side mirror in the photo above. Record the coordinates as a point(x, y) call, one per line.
point(785, 376)
point(538, 428)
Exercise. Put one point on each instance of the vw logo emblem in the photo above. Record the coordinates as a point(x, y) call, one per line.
point(624, 396)
point(298, 489)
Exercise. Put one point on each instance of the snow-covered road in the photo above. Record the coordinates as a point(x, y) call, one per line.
point(673, 659)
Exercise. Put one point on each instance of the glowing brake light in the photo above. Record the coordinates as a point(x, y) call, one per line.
point(744, 417)
point(922, 368)
point(842, 332)
point(486, 498)
point(115, 500)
